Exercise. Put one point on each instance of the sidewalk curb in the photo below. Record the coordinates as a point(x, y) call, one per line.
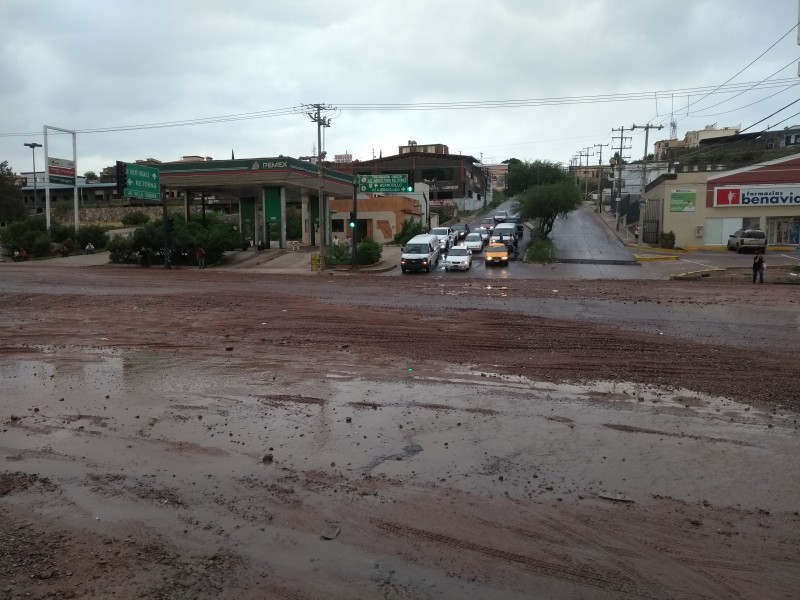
point(641, 258)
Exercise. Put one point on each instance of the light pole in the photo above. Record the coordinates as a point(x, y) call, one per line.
point(431, 188)
point(33, 146)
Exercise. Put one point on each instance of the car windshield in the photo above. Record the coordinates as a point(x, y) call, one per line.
point(458, 227)
point(439, 231)
point(459, 251)
point(416, 249)
point(473, 237)
point(754, 234)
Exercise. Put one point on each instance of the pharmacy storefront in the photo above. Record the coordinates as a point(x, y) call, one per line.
point(775, 207)
point(765, 196)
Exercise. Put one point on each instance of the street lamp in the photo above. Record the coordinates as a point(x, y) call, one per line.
point(33, 146)
point(431, 188)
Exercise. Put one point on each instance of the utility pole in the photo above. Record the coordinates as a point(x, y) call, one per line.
point(586, 179)
point(600, 178)
point(322, 217)
point(643, 200)
point(620, 158)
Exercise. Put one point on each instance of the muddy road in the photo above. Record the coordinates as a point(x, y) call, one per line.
point(225, 434)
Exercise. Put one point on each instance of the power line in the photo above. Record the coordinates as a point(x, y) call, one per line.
point(793, 27)
point(793, 61)
point(426, 106)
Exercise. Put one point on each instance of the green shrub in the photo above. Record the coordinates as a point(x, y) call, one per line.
point(135, 218)
point(23, 234)
point(96, 234)
point(41, 246)
point(369, 252)
point(121, 249)
point(409, 229)
point(540, 250)
point(667, 239)
point(339, 255)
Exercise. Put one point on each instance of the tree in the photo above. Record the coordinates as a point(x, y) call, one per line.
point(524, 175)
point(12, 208)
point(90, 176)
point(545, 203)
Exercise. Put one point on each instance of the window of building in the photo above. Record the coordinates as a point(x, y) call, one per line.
point(337, 225)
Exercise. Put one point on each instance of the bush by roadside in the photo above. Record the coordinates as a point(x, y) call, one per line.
point(539, 250)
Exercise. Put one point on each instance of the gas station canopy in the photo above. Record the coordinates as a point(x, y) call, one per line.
point(246, 177)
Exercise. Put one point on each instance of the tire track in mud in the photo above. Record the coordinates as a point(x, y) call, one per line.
point(701, 438)
point(428, 405)
point(581, 574)
point(281, 399)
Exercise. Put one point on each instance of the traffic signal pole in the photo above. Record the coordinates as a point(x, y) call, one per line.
point(355, 222)
point(166, 226)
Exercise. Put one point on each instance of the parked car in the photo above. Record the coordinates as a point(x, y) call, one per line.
point(747, 239)
point(496, 254)
point(474, 242)
point(459, 258)
point(461, 230)
point(446, 238)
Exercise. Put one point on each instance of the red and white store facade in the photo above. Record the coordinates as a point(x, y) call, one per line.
point(764, 196)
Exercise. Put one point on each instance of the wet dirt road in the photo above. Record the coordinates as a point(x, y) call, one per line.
point(215, 434)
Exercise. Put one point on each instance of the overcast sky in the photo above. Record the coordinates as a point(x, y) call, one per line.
point(97, 64)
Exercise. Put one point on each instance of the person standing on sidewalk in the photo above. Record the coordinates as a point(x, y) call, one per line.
point(201, 258)
point(758, 267)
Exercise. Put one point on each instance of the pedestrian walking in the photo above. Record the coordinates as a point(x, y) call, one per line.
point(758, 267)
point(201, 258)
point(336, 241)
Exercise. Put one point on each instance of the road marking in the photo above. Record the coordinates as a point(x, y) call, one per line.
point(694, 262)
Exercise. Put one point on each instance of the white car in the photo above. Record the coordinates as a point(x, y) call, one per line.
point(485, 233)
point(459, 258)
point(474, 242)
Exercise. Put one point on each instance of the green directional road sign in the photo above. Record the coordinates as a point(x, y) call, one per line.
point(384, 183)
point(142, 182)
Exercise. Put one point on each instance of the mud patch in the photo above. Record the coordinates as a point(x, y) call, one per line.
point(12, 482)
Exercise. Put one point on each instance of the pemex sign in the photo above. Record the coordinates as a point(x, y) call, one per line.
point(60, 170)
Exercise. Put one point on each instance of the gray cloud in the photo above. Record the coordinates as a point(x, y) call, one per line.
point(90, 64)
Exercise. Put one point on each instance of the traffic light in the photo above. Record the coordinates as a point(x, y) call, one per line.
point(352, 220)
point(122, 177)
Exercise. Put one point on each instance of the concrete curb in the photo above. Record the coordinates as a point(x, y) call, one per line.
point(695, 274)
point(641, 258)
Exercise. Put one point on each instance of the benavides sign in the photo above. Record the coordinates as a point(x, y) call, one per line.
point(758, 195)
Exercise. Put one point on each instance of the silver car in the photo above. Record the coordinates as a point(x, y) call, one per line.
point(474, 242)
point(459, 259)
point(747, 239)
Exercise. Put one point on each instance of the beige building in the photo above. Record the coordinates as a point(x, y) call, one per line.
point(703, 208)
point(379, 217)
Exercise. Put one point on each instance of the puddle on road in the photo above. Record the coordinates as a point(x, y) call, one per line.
point(69, 410)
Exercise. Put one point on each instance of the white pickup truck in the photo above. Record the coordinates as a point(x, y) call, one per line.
point(447, 238)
